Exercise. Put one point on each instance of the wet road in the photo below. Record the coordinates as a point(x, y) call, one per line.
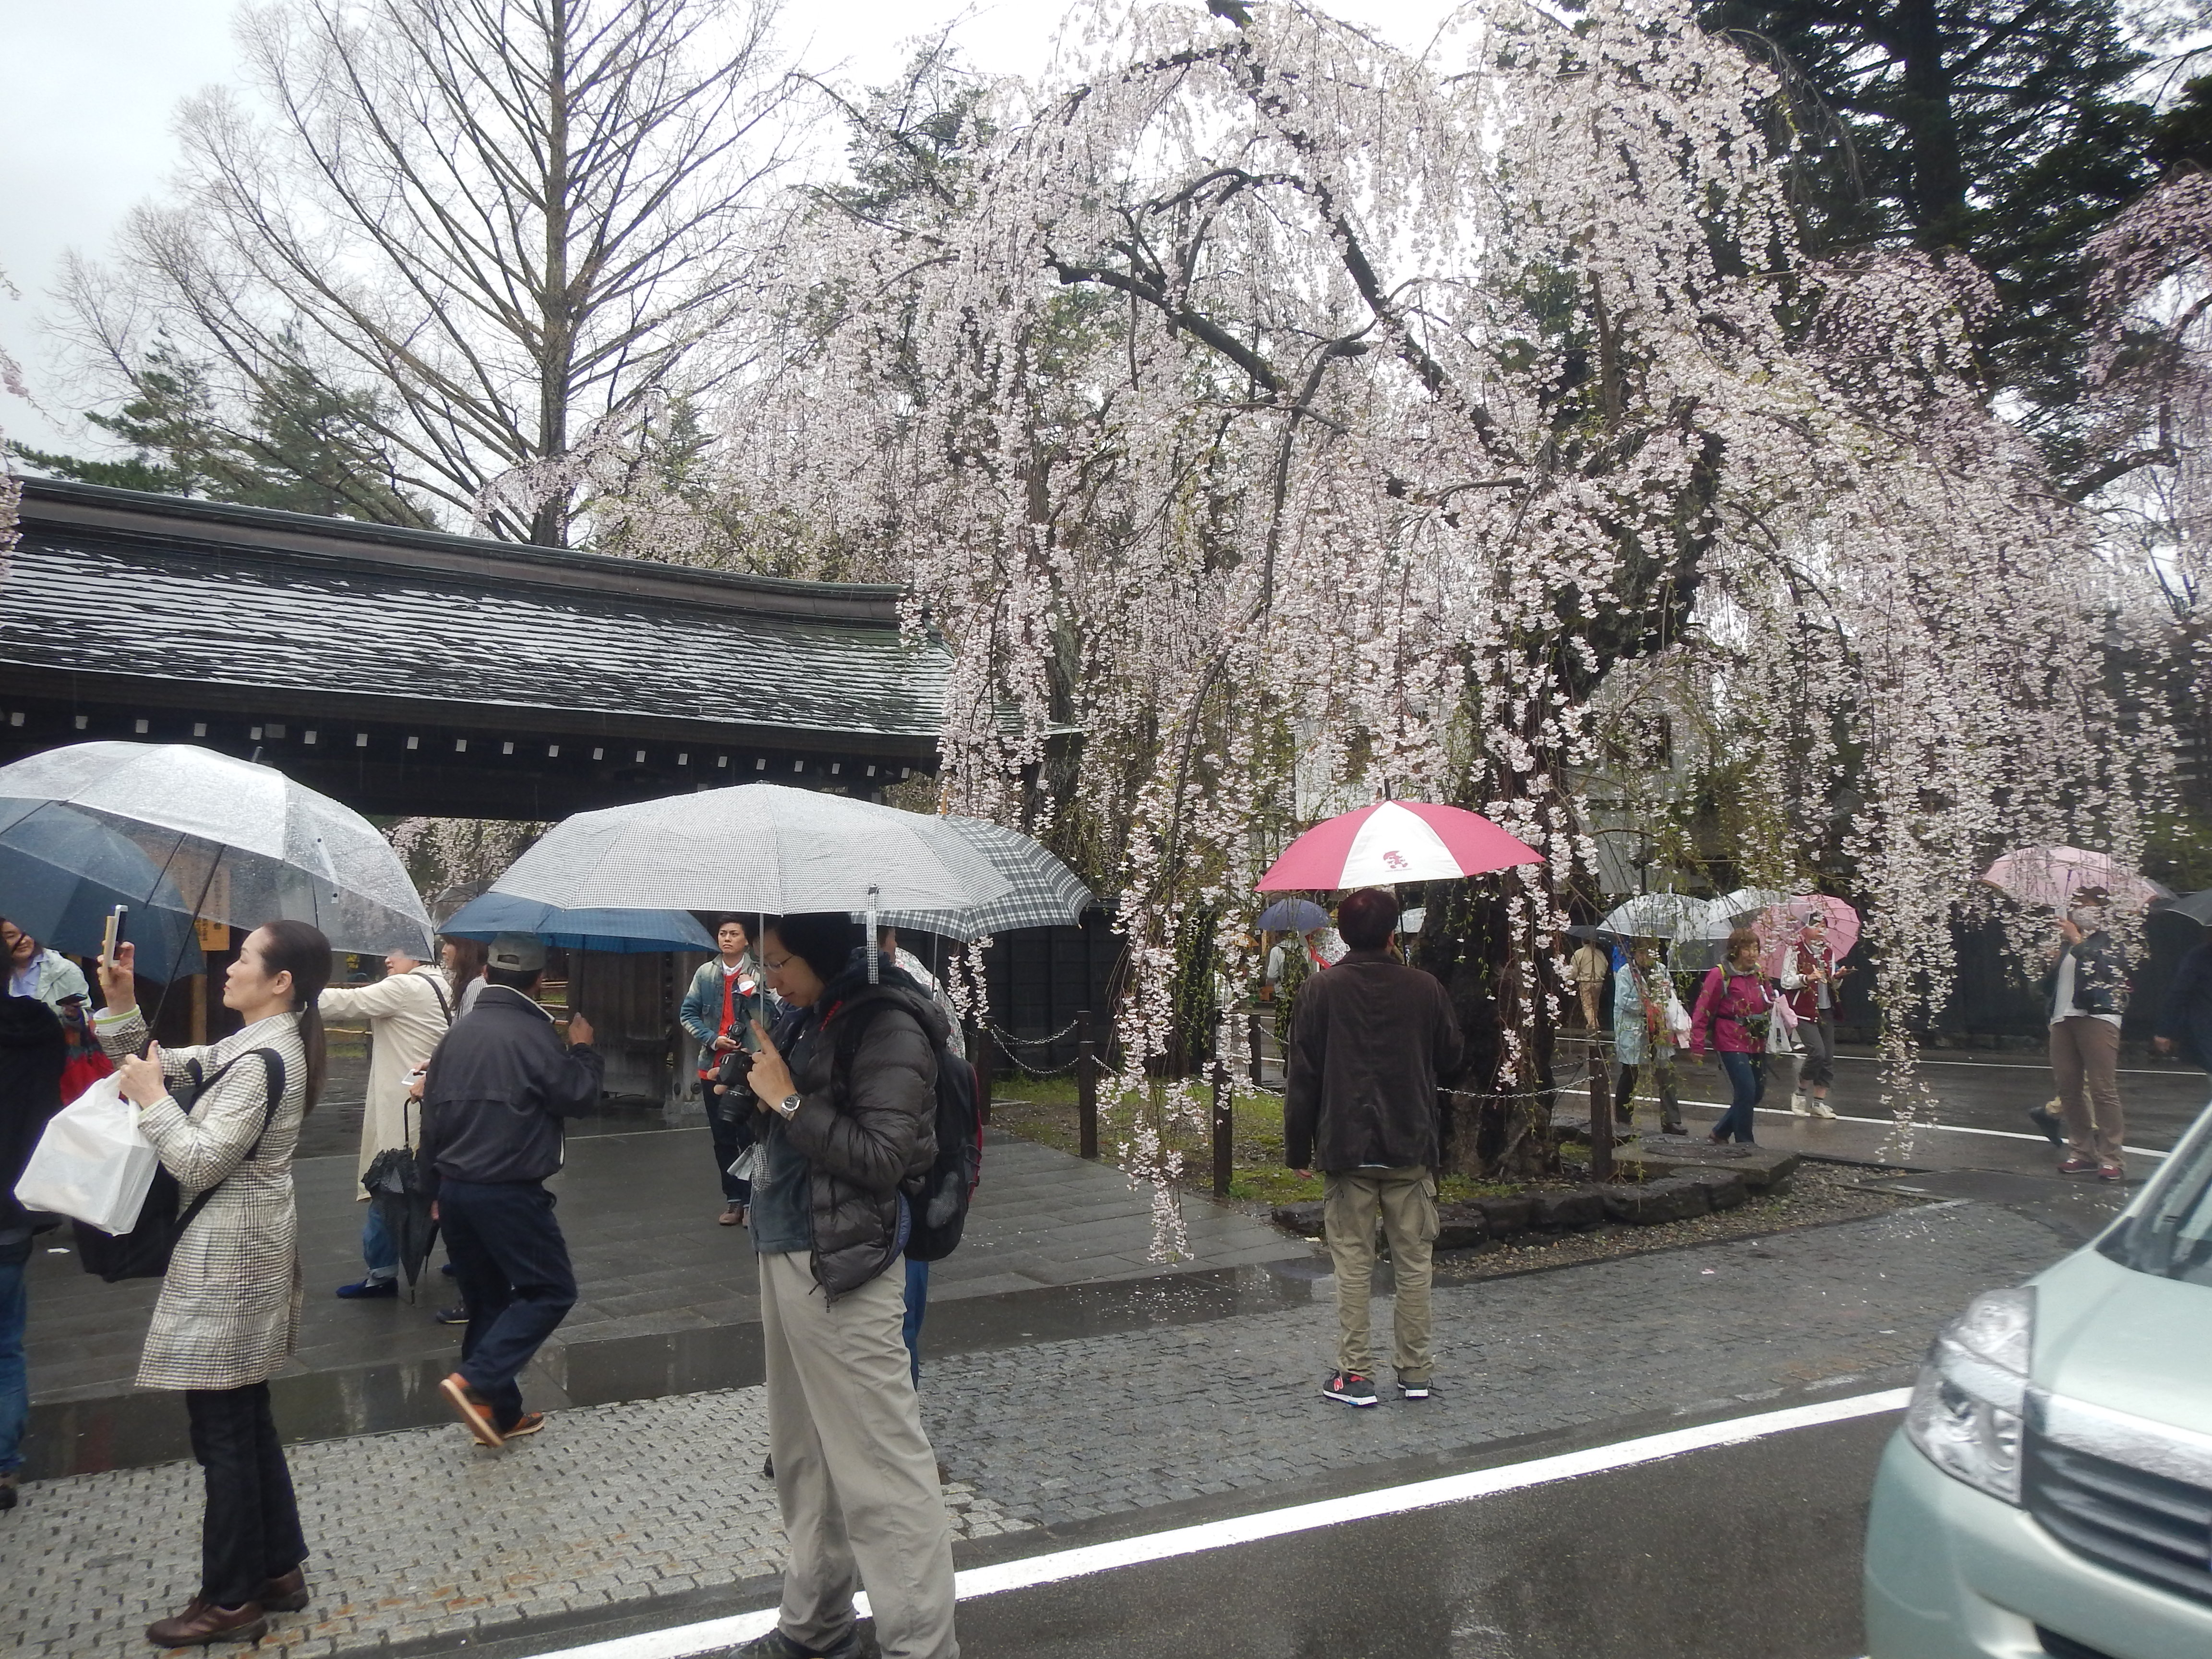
point(1748, 1551)
point(2159, 1101)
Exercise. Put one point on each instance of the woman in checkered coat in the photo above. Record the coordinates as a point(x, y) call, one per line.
point(229, 1310)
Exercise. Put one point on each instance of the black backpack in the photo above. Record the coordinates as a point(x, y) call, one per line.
point(144, 1251)
point(937, 1199)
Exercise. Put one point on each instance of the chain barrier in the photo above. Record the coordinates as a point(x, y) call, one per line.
point(1008, 1040)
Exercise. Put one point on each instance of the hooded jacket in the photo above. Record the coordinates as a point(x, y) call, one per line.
point(497, 1091)
point(31, 1054)
point(865, 1136)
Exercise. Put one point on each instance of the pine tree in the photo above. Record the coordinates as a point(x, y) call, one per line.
point(304, 446)
point(2001, 129)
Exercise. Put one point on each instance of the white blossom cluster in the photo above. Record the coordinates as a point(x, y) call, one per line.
point(1294, 420)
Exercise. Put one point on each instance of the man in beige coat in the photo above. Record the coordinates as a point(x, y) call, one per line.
point(408, 1013)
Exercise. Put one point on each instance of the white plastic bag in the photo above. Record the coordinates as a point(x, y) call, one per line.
point(93, 1164)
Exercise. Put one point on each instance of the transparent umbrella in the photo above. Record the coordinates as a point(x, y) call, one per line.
point(61, 872)
point(240, 843)
point(758, 848)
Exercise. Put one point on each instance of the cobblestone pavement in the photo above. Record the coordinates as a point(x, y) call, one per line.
point(1074, 1429)
point(418, 1535)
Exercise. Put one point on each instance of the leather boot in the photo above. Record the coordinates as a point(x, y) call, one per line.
point(202, 1622)
point(287, 1593)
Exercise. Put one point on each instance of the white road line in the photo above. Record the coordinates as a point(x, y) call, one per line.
point(2181, 1075)
point(711, 1635)
point(1891, 1123)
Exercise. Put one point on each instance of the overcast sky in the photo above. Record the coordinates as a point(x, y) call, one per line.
point(85, 127)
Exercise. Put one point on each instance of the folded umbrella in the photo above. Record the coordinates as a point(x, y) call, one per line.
point(759, 848)
point(244, 844)
point(1395, 841)
point(622, 932)
point(61, 872)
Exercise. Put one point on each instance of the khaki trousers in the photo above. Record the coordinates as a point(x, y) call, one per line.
point(1406, 1200)
point(855, 1473)
point(2085, 1057)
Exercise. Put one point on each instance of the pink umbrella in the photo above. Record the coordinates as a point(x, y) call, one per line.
point(1779, 926)
point(2051, 876)
point(1396, 841)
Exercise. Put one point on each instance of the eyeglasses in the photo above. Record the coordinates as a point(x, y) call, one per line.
point(774, 964)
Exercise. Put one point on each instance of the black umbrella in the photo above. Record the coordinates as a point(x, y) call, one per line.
point(2197, 907)
point(402, 1202)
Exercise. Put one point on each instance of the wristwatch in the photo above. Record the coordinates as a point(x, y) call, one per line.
point(788, 1106)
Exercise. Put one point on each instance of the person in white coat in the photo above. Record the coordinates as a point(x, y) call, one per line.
point(408, 1013)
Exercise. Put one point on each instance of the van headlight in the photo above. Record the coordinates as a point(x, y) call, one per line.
point(1971, 1394)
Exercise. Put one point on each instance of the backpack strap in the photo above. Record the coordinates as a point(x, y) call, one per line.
point(273, 1063)
point(439, 991)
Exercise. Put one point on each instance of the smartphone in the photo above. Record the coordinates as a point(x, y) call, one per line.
point(113, 934)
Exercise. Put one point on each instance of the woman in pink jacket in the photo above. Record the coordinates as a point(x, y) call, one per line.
point(1734, 1011)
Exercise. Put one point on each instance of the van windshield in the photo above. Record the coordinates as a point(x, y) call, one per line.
point(2172, 1234)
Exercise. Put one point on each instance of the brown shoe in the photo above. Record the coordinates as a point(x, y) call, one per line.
point(202, 1622)
point(469, 1405)
point(528, 1422)
point(287, 1593)
point(733, 1215)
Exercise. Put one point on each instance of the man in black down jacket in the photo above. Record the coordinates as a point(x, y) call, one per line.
point(849, 1118)
point(493, 1098)
point(1369, 1039)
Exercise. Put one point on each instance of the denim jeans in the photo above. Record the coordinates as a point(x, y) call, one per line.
point(917, 1304)
point(513, 1267)
point(1746, 1083)
point(14, 1388)
point(377, 1248)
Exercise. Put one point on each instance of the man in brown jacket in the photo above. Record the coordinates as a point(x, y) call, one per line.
point(1369, 1039)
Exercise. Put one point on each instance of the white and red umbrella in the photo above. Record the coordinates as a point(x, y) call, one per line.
point(1395, 841)
point(2051, 876)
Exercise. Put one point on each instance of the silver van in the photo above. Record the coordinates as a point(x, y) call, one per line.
point(2050, 1491)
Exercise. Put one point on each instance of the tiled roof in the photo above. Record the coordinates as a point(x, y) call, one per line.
point(112, 583)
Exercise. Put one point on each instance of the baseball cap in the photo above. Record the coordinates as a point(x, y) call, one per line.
point(518, 953)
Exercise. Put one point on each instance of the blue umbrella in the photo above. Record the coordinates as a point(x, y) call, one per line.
point(1292, 915)
point(624, 932)
point(62, 871)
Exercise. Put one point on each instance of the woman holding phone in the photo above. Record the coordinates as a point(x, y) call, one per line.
point(229, 1310)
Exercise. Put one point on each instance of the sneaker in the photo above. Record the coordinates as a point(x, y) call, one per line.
point(2112, 1172)
point(1820, 1109)
point(1350, 1387)
point(528, 1422)
point(368, 1290)
point(1412, 1390)
point(469, 1405)
point(776, 1645)
point(1798, 1108)
point(456, 1315)
point(2048, 1123)
point(2077, 1166)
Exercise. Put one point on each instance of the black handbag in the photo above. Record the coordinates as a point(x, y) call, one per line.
point(144, 1251)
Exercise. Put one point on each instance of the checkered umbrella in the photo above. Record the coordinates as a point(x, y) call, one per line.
point(1045, 893)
